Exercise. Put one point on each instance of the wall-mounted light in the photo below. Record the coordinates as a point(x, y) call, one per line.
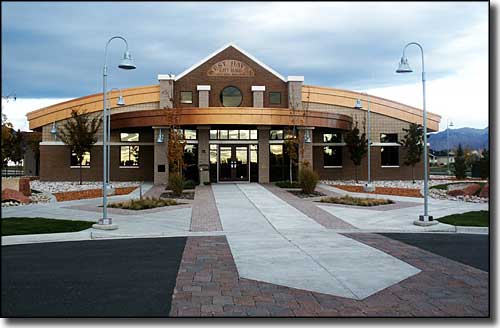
point(358, 104)
point(160, 137)
point(307, 136)
point(54, 129)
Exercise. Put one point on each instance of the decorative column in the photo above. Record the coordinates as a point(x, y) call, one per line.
point(160, 155)
point(258, 95)
point(203, 96)
point(204, 153)
point(295, 91)
point(166, 90)
point(263, 153)
point(306, 137)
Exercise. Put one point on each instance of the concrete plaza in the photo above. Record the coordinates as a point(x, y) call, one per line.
point(273, 238)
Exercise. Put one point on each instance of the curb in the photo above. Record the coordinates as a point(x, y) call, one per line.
point(472, 230)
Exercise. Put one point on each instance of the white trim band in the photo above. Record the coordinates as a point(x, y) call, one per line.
point(295, 78)
point(385, 144)
point(203, 87)
point(258, 88)
point(163, 77)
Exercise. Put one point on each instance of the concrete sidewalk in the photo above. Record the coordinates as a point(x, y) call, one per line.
point(272, 241)
point(399, 219)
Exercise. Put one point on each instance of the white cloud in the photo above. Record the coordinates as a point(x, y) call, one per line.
point(16, 110)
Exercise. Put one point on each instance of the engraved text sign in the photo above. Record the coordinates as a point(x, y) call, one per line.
point(230, 67)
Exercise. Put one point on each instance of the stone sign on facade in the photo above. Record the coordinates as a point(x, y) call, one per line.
point(231, 67)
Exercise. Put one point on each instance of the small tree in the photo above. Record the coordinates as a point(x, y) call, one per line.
point(291, 144)
point(484, 164)
point(7, 135)
point(16, 147)
point(413, 141)
point(460, 166)
point(357, 144)
point(79, 133)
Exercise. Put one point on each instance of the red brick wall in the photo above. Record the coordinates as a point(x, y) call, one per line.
point(55, 165)
point(218, 83)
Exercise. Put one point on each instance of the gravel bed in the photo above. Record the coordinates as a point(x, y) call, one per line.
point(62, 186)
point(419, 184)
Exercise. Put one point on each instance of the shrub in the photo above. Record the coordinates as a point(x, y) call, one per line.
point(143, 204)
point(176, 183)
point(308, 179)
point(189, 184)
point(349, 200)
point(206, 183)
point(460, 165)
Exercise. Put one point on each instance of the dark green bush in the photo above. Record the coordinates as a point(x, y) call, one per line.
point(176, 183)
point(143, 204)
point(206, 183)
point(189, 184)
point(308, 180)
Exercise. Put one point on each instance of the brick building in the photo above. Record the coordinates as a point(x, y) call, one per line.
point(235, 114)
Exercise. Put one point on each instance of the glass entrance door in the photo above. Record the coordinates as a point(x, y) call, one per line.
point(233, 163)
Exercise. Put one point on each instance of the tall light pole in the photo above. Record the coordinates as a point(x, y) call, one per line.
point(368, 186)
point(404, 67)
point(127, 64)
point(120, 102)
point(448, 125)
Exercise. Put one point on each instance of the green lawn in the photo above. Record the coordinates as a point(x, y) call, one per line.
point(470, 219)
point(27, 226)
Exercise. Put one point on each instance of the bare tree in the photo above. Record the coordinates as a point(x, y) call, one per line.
point(80, 133)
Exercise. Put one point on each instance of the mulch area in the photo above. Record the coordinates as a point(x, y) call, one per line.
point(208, 284)
point(383, 191)
point(91, 193)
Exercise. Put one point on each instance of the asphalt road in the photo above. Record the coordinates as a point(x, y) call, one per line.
point(468, 249)
point(104, 278)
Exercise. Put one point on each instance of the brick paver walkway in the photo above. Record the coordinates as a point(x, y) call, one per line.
point(208, 285)
point(310, 209)
point(205, 216)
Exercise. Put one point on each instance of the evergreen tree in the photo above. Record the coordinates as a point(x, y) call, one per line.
point(484, 164)
point(7, 135)
point(413, 141)
point(460, 166)
point(79, 133)
point(357, 145)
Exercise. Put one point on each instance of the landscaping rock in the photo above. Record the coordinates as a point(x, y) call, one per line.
point(485, 192)
point(11, 194)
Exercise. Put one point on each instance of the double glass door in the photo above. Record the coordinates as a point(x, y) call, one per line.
point(233, 163)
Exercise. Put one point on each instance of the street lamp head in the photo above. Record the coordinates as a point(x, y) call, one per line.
point(451, 123)
point(404, 67)
point(358, 104)
point(127, 61)
point(121, 101)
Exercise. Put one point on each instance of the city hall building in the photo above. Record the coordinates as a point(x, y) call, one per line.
point(235, 114)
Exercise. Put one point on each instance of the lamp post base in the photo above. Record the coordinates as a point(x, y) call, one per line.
point(425, 221)
point(369, 187)
point(105, 225)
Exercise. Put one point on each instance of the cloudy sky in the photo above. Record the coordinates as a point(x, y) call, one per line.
point(55, 51)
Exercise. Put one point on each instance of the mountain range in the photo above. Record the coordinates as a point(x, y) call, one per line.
point(469, 138)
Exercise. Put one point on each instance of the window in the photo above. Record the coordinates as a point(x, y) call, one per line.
point(189, 134)
point(213, 163)
point(276, 134)
point(332, 137)
point(231, 97)
point(129, 137)
point(244, 135)
point(186, 97)
point(213, 134)
point(190, 170)
point(389, 156)
point(253, 134)
point(388, 137)
point(129, 156)
point(233, 134)
point(85, 159)
point(274, 98)
point(254, 164)
point(332, 156)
